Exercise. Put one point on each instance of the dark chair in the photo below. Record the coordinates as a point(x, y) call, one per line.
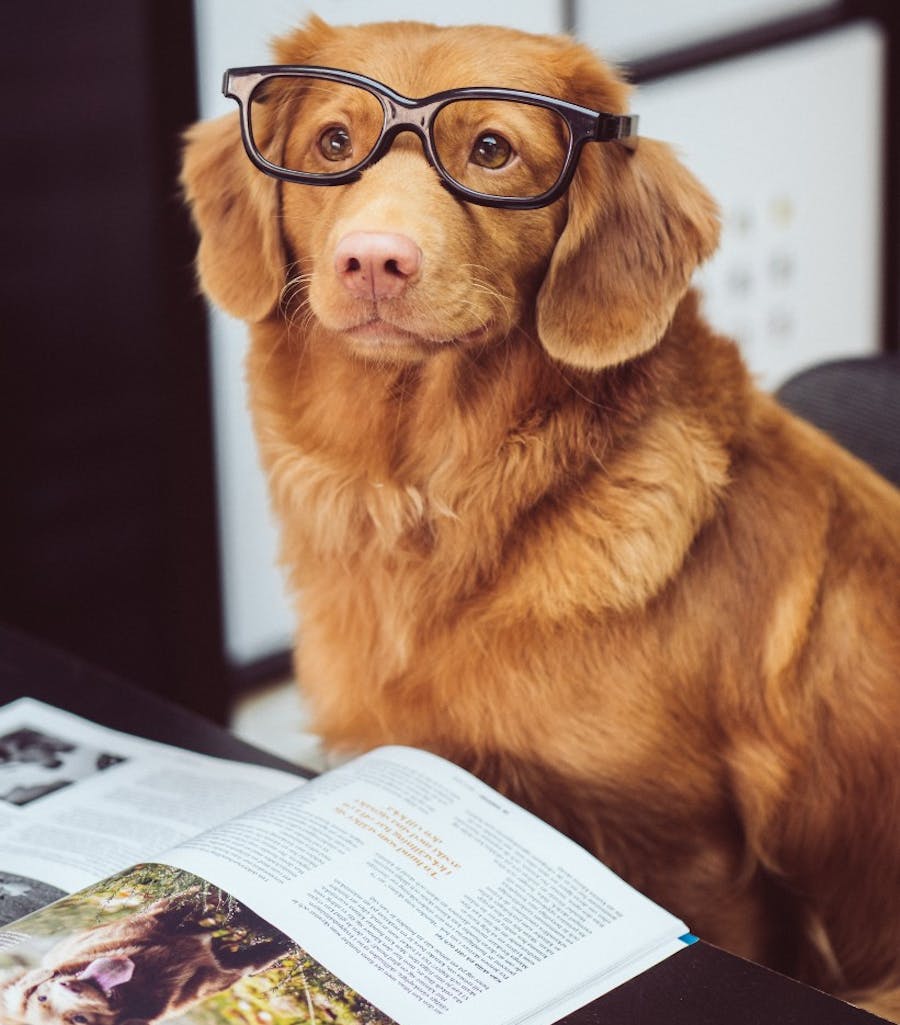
point(857, 402)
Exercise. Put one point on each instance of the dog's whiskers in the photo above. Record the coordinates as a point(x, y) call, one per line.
point(295, 301)
point(485, 288)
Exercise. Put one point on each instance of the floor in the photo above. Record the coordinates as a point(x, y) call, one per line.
point(273, 718)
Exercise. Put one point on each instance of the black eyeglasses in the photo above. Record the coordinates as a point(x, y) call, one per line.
point(490, 146)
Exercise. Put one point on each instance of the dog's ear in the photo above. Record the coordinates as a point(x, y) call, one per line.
point(240, 261)
point(638, 225)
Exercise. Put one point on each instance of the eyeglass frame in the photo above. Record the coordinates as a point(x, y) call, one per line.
point(585, 125)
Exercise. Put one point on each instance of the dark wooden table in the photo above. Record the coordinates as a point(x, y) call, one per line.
point(700, 985)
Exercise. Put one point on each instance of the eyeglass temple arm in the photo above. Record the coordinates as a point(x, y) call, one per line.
point(622, 128)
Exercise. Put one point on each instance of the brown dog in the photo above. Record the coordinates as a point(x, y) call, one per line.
point(538, 518)
point(136, 970)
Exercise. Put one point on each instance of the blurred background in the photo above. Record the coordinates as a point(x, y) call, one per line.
point(133, 524)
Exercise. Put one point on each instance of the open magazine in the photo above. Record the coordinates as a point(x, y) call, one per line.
point(140, 883)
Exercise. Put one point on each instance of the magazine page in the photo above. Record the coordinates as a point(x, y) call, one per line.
point(79, 801)
point(437, 899)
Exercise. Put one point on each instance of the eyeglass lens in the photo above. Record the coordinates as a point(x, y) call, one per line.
point(495, 147)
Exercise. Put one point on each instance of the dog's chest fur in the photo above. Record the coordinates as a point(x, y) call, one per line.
point(417, 508)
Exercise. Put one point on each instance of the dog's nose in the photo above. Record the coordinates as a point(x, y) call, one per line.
point(376, 265)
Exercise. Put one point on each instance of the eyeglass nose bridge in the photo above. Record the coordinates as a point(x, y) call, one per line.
point(415, 117)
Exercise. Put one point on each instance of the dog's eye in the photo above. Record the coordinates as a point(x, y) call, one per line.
point(491, 150)
point(335, 143)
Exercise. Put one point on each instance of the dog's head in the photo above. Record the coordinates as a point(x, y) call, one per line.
point(396, 265)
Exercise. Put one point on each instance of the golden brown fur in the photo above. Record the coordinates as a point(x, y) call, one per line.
point(539, 520)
